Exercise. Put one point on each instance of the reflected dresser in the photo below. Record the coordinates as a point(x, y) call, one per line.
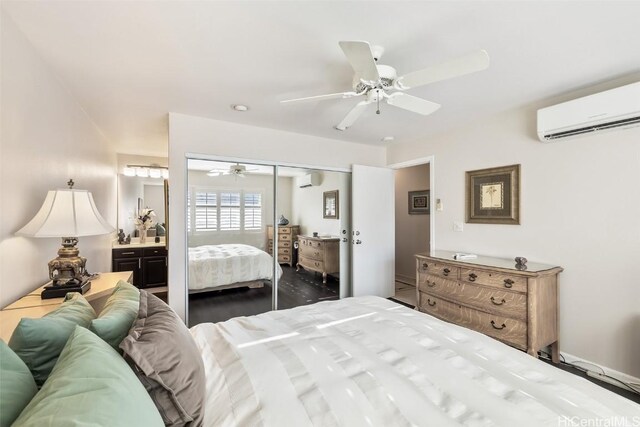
point(491, 295)
point(319, 254)
point(287, 235)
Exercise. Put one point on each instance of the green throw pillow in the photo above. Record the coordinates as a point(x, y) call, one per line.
point(118, 314)
point(91, 385)
point(39, 342)
point(17, 386)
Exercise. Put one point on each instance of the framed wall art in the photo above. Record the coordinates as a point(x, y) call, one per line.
point(419, 202)
point(330, 205)
point(493, 195)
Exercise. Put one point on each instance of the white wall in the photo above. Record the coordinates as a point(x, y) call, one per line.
point(262, 183)
point(412, 231)
point(580, 210)
point(307, 205)
point(46, 138)
point(189, 134)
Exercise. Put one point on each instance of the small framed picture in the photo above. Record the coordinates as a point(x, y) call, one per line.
point(493, 195)
point(330, 208)
point(419, 202)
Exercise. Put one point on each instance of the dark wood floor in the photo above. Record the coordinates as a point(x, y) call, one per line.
point(294, 289)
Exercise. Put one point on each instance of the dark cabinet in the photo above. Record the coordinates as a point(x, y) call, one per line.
point(149, 265)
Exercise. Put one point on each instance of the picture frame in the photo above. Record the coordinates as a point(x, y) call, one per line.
point(419, 202)
point(330, 205)
point(493, 195)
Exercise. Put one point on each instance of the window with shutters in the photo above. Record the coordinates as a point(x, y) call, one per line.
point(252, 211)
point(206, 214)
point(224, 210)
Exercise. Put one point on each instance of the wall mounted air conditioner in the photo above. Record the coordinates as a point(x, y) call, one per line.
point(311, 179)
point(613, 109)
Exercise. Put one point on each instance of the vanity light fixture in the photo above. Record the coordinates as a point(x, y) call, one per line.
point(239, 107)
point(151, 171)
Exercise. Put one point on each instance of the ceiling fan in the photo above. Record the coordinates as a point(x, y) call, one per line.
point(376, 82)
point(236, 170)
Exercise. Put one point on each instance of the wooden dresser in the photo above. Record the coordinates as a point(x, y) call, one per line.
point(492, 296)
point(321, 254)
point(287, 235)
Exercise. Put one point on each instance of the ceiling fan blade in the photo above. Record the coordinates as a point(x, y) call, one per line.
point(467, 64)
point(361, 59)
point(412, 103)
point(322, 97)
point(353, 115)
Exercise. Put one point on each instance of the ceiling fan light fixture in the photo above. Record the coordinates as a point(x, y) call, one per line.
point(239, 107)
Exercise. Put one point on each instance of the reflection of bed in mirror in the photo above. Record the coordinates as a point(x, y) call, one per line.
point(217, 267)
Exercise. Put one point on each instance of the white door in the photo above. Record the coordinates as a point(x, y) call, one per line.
point(373, 231)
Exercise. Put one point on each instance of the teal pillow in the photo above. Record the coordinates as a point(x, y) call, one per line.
point(17, 386)
point(39, 342)
point(118, 314)
point(91, 385)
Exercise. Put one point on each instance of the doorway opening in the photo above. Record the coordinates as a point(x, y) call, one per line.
point(413, 225)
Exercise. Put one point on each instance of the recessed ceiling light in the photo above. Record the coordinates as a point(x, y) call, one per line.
point(239, 107)
point(388, 139)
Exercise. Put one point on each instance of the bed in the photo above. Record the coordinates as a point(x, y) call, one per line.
point(216, 267)
point(369, 361)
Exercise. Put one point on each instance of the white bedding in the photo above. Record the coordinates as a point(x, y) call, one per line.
point(217, 265)
point(368, 361)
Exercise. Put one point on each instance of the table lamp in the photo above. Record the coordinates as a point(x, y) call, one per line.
point(67, 214)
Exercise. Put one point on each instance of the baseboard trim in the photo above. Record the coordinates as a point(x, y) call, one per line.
point(588, 365)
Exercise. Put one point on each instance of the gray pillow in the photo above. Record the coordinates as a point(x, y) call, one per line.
point(167, 361)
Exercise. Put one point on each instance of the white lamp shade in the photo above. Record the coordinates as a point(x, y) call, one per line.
point(67, 213)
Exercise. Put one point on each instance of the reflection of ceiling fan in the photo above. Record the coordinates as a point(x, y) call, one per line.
point(237, 170)
point(374, 81)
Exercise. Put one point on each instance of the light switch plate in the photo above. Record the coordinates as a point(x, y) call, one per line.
point(458, 226)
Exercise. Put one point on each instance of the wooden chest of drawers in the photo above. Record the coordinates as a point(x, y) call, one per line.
point(492, 296)
point(287, 235)
point(319, 254)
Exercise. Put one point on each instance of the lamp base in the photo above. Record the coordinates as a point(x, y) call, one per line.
point(60, 291)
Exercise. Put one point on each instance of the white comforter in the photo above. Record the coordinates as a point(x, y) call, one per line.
point(368, 361)
point(216, 265)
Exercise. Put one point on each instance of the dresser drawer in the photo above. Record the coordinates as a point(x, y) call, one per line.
point(312, 253)
point(284, 258)
point(494, 279)
point(155, 251)
point(284, 230)
point(284, 237)
point(504, 303)
point(284, 251)
point(127, 253)
point(284, 244)
point(430, 283)
point(443, 270)
point(311, 264)
point(509, 330)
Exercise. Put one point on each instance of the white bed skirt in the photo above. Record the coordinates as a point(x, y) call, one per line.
point(368, 361)
point(211, 266)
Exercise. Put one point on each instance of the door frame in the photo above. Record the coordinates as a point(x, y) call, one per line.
point(432, 185)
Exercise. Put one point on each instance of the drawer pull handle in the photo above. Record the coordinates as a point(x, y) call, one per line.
point(431, 284)
point(497, 303)
point(496, 327)
point(127, 253)
point(431, 303)
point(446, 271)
point(508, 283)
point(472, 277)
point(425, 265)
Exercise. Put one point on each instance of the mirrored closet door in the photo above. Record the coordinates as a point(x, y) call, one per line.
point(230, 273)
point(250, 252)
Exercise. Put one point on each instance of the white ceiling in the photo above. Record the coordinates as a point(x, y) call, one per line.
point(129, 63)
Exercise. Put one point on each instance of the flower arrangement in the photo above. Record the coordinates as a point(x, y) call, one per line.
point(145, 219)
